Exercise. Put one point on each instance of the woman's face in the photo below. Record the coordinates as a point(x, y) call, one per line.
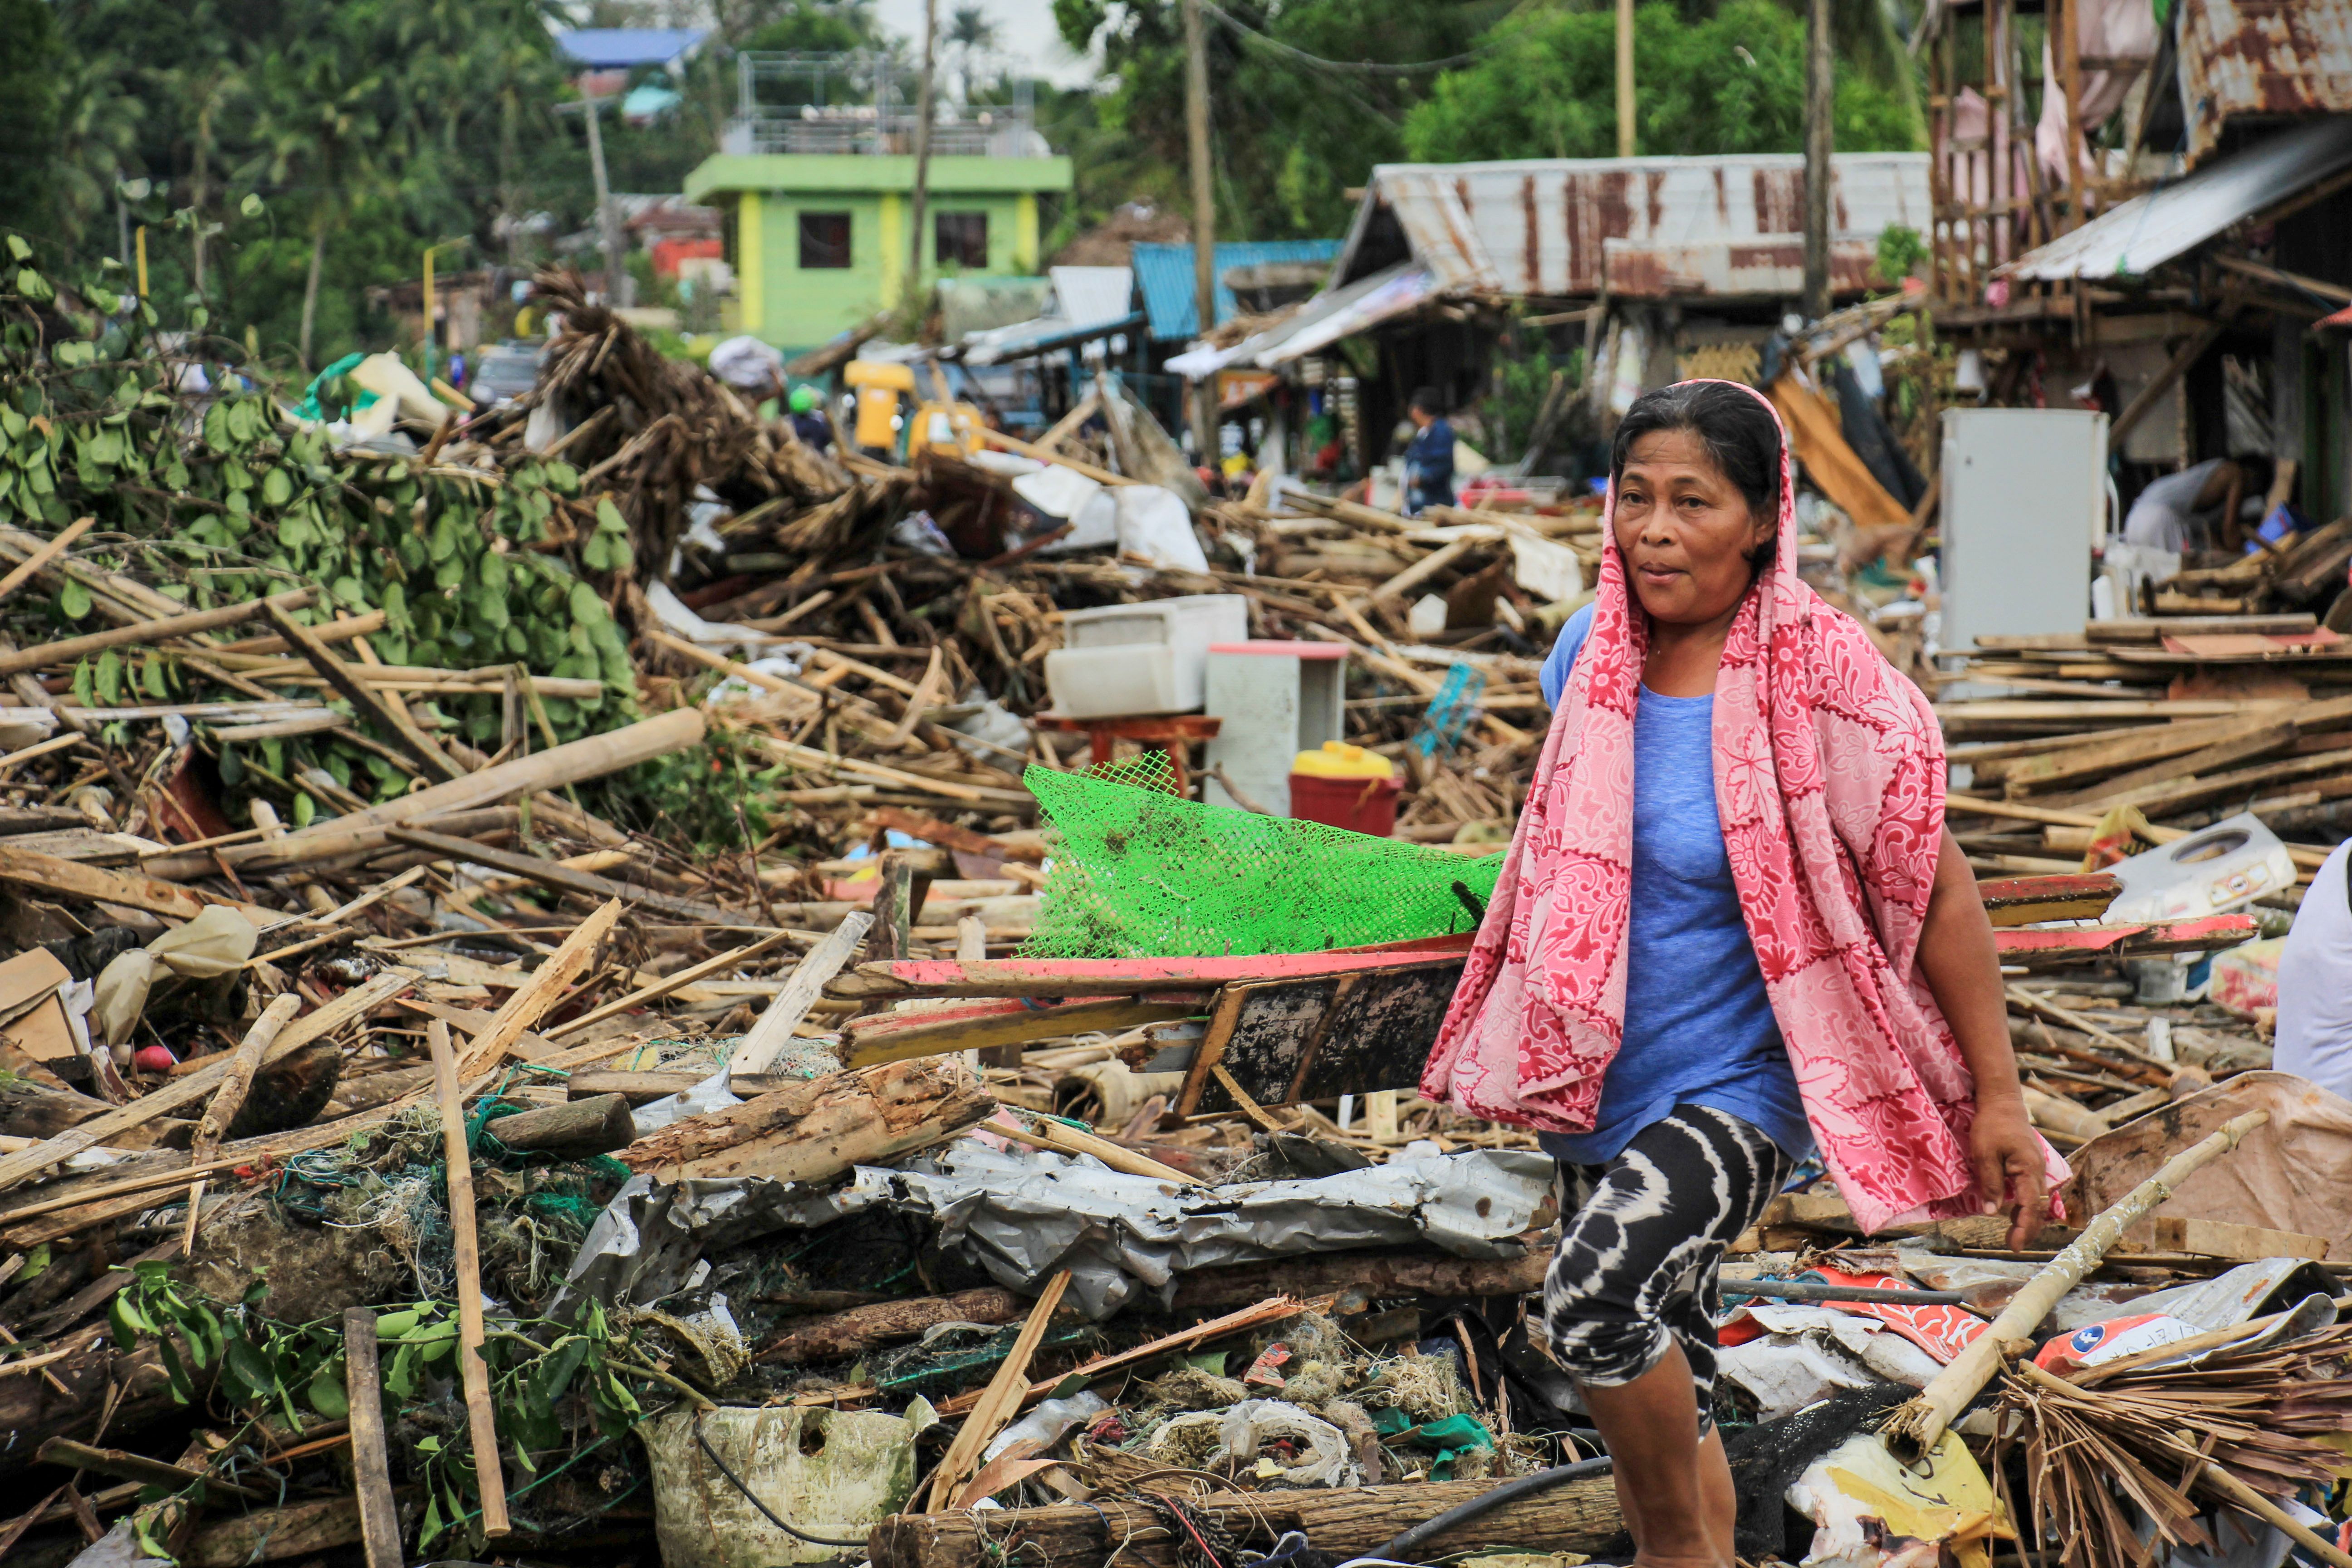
point(1684, 531)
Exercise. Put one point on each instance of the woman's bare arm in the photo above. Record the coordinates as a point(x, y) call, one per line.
point(1963, 969)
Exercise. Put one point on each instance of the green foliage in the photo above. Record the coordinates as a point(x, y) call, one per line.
point(540, 1371)
point(1524, 366)
point(714, 797)
point(222, 501)
point(1289, 136)
point(1901, 249)
point(28, 113)
point(1734, 82)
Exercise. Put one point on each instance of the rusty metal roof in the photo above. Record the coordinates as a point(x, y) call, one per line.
point(2244, 59)
point(2148, 231)
point(1537, 227)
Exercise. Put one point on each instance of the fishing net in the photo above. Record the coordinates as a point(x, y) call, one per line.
point(1141, 873)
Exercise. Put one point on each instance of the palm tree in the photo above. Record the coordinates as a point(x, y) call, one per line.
point(316, 130)
point(972, 35)
point(98, 127)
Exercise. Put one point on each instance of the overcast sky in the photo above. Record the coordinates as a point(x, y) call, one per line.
point(1025, 35)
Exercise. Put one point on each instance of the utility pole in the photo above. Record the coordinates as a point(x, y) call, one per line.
point(620, 288)
point(1820, 90)
point(1624, 79)
point(914, 215)
point(1204, 223)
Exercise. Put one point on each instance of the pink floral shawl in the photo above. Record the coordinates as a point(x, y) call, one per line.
point(1828, 776)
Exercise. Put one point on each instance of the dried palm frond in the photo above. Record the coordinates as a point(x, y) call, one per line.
point(2144, 1438)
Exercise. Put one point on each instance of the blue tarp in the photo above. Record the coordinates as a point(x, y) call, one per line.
point(625, 49)
point(1163, 273)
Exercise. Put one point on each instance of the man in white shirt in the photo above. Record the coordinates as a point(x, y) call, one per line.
point(2315, 983)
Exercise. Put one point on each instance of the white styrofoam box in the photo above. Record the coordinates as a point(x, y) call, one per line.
point(2233, 861)
point(1276, 700)
point(1131, 659)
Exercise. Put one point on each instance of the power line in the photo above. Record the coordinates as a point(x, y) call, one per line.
point(1358, 68)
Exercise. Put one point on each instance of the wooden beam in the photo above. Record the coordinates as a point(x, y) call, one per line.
point(243, 1063)
point(371, 1450)
point(489, 1471)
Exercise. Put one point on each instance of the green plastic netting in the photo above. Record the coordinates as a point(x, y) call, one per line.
point(1141, 873)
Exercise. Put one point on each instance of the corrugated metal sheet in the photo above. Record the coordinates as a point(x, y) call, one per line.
point(1088, 294)
point(2257, 59)
point(1164, 273)
point(2147, 231)
point(1538, 226)
point(1724, 268)
point(1331, 315)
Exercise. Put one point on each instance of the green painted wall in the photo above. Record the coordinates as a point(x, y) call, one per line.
point(797, 308)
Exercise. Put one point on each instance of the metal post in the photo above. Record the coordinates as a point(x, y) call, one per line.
point(1624, 79)
point(1820, 90)
point(913, 296)
point(427, 333)
point(619, 287)
point(1204, 221)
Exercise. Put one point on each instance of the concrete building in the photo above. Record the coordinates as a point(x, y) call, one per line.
point(816, 174)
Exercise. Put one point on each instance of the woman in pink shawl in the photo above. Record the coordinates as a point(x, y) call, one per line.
point(1732, 932)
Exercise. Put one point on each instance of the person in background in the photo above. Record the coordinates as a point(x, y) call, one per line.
point(2196, 508)
point(1429, 456)
point(809, 423)
point(2315, 1001)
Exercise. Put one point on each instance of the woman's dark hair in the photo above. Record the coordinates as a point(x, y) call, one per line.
point(1738, 427)
point(1427, 399)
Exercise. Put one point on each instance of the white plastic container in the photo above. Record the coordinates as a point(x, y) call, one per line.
point(1126, 661)
point(2231, 863)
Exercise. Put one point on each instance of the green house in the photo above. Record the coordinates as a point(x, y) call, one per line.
point(816, 173)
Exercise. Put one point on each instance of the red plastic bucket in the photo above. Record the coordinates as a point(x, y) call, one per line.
point(1360, 806)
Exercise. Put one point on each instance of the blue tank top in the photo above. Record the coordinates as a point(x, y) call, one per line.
point(1699, 1029)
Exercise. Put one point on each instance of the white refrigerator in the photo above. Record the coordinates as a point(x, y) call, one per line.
point(2024, 505)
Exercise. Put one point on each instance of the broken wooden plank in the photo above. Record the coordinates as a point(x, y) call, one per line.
point(2243, 1243)
point(1115, 976)
point(371, 1451)
point(53, 876)
point(2022, 900)
point(542, 991)
point(489, 1471)
point(1063, 1139)
point(999, 1401)
point(758, 1050)
point(901, 1037)
point(672, 982)
point(548, 874)
point(813, 1129)
point(2030, 947)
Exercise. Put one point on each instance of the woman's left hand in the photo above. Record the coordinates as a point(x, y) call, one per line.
point(2008, 1159)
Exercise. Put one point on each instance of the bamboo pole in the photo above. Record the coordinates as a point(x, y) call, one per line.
point(67, 650)
point(1918, 1425)
point(230, 1098)
point(490, 1474)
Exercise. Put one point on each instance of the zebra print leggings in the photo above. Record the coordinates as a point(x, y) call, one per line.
point(1636, 1266)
